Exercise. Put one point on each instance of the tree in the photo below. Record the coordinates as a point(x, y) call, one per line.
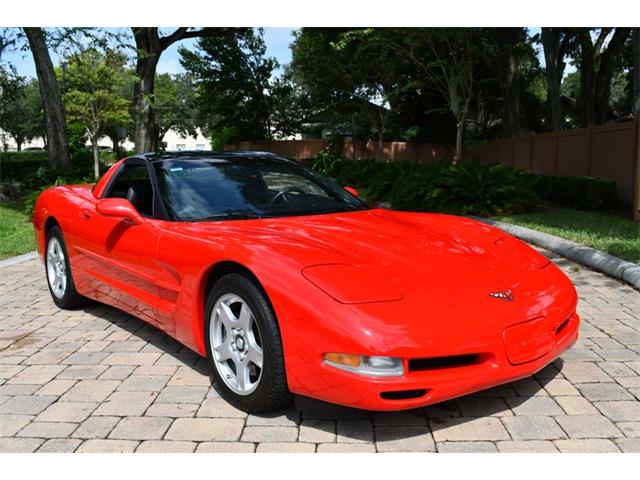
point(597, 64)
point(289, 107)
point(55, 118)
point(232, 80)
point(92, 95)
point(555, 43)
point(339, 70)
point(508, 40)
point(174, 105)
point(149, 46)
point(22, 116)
point(445, 57)
point(636, 72)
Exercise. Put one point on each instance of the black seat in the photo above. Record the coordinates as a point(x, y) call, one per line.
point(140, 194)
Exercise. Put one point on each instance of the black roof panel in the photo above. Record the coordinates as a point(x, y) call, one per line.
point(199, 154)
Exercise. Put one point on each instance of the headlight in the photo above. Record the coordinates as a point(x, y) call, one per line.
point(365, 365)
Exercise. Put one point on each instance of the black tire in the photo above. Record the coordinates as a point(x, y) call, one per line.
point(71, 298)
point(272, 391)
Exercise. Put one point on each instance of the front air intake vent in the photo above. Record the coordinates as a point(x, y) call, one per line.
point(403, 394)
point(440, 363)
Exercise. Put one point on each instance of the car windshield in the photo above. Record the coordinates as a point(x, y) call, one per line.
point(247, 187)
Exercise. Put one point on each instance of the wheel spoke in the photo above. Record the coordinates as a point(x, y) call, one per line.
point(242, 374)
point(226, 316)
point(245, 317)
point(223, 351)
point(255, 354)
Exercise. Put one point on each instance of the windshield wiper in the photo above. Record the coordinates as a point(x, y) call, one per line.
point(228, 215)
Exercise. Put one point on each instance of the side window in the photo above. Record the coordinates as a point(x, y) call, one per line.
point(134, 184)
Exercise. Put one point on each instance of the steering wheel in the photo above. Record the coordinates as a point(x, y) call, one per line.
point(282, 194)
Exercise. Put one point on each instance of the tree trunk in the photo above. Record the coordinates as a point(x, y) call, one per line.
point(635, 108)
point(19, 145)
point(457, 157)
point(149, 50)
point(145, 136)
point(551, 47)
point(608, 60)
point(96, 157)
point(587, 73)
point(116, 145)
point(508, 39)
point(55, 121)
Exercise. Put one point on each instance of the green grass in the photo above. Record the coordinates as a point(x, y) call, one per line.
point(614, 235)
point(16, 231)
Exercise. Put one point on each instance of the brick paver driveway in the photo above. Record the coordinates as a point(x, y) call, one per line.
point(97, 380)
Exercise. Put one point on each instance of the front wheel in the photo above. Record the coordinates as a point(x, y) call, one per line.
point(244, 346)
point(61, 286)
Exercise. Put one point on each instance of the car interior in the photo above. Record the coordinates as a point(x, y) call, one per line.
point(134, 184)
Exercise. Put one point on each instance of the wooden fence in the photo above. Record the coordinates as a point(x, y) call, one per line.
point(607, 151)
point(358, 150)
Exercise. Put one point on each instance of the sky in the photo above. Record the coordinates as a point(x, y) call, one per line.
point(276, 39)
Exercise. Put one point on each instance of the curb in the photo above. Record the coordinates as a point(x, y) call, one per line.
point(7, 262)
point(602, 262)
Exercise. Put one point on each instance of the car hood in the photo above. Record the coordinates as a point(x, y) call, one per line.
point(396, 250)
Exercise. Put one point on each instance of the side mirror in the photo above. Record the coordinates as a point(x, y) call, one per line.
point(352, 191)
point(119, 207)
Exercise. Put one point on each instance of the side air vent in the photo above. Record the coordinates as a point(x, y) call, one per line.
point(562, 326)
point(440, 363)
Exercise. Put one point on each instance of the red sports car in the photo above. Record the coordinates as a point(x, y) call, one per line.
point(290, 284)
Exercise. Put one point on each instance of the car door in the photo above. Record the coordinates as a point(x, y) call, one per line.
point(119, 256)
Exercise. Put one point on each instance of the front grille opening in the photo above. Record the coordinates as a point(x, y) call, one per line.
point(562, 326)
point(403, 394)
point(439, 363)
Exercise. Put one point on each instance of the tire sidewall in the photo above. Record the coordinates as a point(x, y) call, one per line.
point(66, 299)
point(246, 289)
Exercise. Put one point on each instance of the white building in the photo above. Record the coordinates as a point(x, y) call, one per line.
point(173, 141)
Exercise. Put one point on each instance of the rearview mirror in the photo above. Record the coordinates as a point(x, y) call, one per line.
point(119, 207)
point(352, 191)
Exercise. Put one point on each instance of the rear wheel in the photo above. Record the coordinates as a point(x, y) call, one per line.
point(59, 280)
point(244, 346)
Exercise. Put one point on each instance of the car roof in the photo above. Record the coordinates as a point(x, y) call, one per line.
point(204, 155)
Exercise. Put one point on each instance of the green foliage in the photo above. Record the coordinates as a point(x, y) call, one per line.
point(174, 104)
point(91, 82)
point(226, 135)
point(22, 115)
point(232, 84)
point(76, 138)
point(30, 171)
point(93, 98)
point(584, 193)
point(468, 188)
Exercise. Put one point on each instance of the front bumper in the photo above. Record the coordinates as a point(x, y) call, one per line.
point(493, 368)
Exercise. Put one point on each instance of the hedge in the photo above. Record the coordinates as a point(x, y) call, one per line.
point(582, 193)
point(467, 188)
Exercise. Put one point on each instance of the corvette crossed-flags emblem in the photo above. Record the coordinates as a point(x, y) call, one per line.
point(506, 295)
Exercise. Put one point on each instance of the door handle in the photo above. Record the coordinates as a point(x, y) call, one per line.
point(85, 214)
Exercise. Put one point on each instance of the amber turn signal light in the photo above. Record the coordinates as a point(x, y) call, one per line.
point(345, 359)
point(365, 365)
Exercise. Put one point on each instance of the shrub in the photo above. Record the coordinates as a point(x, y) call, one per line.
point(29, 200)
point(469, 188)
point(583, 193)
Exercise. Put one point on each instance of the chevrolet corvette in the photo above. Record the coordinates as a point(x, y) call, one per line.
point(291, 285)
